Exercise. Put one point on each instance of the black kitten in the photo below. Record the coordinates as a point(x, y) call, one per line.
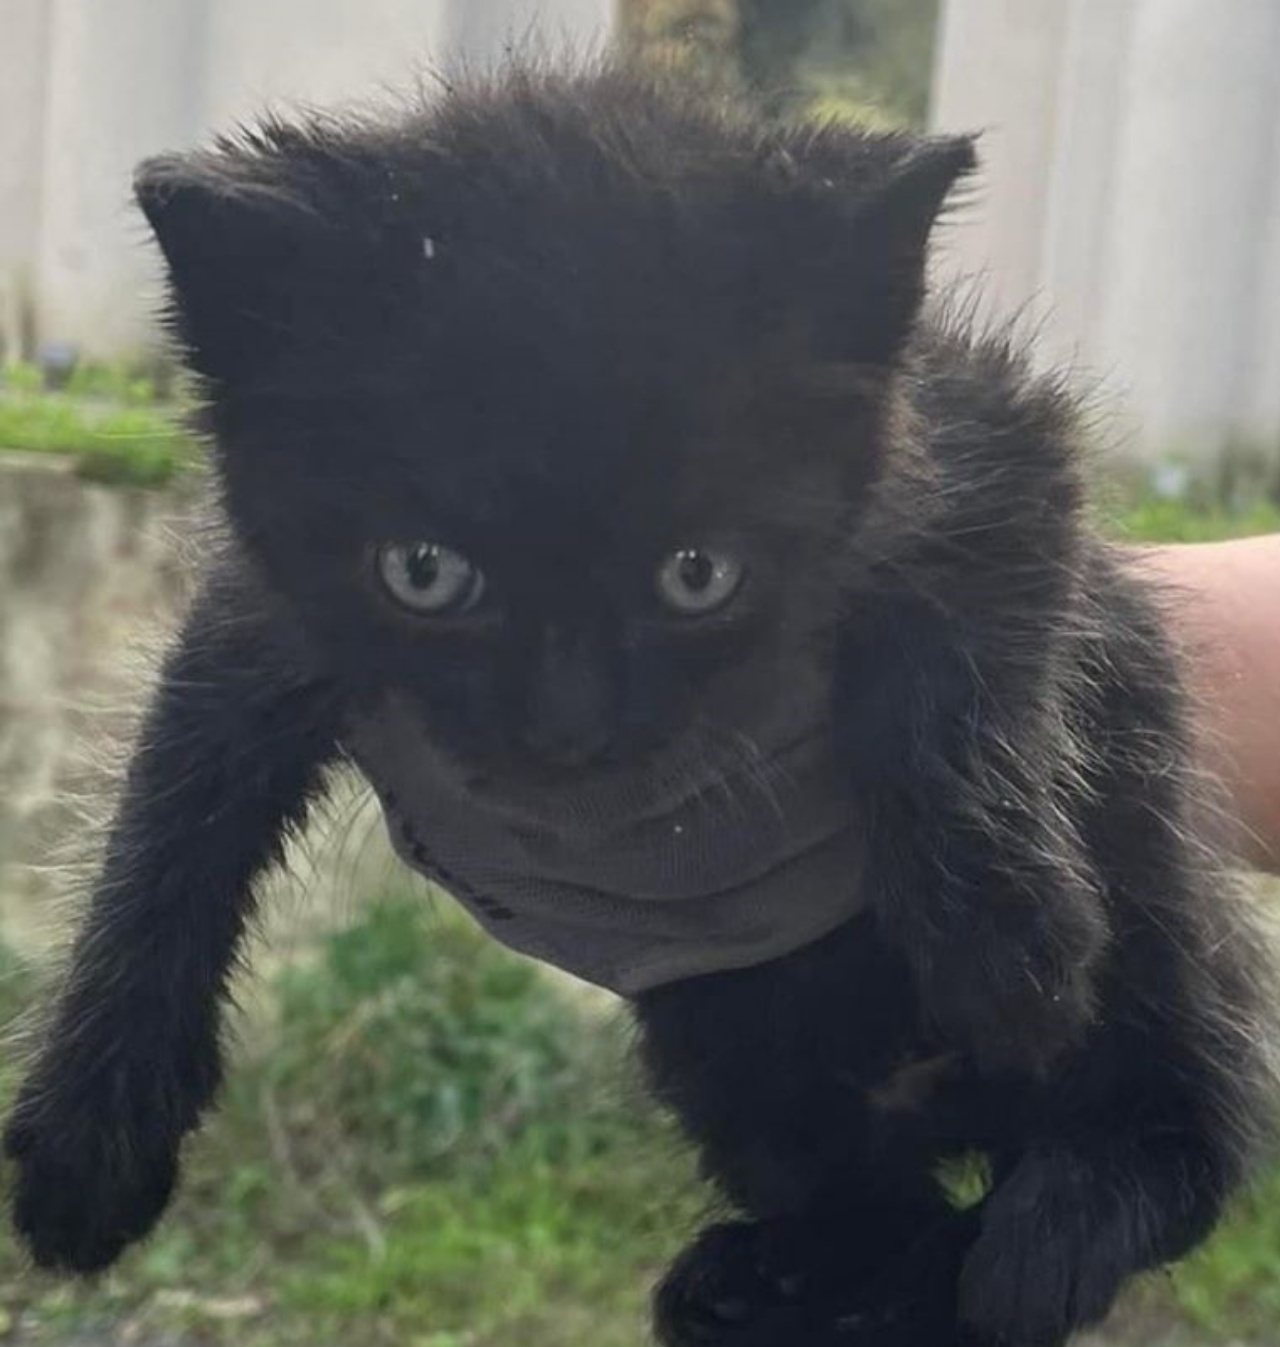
point(715, 627)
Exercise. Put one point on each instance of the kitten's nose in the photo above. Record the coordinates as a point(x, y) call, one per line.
point(569, 718)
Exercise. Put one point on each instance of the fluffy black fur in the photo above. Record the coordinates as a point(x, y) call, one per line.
point(567, 323)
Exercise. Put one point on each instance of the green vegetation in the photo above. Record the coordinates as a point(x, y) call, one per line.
point(869, 60)
point(1175, 521)
point(108, 419)
point(430, 1143)
point(1230, 1290)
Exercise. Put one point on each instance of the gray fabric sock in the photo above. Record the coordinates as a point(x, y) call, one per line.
point(636, 886)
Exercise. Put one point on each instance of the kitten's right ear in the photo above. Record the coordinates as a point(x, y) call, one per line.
point(237, 246)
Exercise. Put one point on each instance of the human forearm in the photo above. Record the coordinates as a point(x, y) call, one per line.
point(1224, 604)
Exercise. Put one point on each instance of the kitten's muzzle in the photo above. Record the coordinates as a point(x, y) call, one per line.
point(569, 716)
point(565, 741)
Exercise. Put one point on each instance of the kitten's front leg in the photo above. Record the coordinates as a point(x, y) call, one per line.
point(986, 888)
point(231, 750)
point(1073, 1221)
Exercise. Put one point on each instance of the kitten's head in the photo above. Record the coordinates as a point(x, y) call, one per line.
point(553, 407)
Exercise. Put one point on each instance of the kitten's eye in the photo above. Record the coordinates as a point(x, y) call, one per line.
point(693, 582)
point(430, 578)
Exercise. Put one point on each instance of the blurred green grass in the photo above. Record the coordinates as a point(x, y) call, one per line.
point(1158, 520)
point(431, 1142)
point(108, 420)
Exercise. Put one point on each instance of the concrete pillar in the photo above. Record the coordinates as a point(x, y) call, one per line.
point(997, 73)
point(1192, 191)
point(1261, 402)
point(1079, 213)
point(320, 52)
point(128, 78)
point(124, 81)
point(1131, 200)
point(24, 66)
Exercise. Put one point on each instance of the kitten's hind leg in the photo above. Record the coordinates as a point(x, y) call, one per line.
point(230, 752)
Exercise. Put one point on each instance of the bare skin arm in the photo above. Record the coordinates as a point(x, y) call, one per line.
point(1227, 618)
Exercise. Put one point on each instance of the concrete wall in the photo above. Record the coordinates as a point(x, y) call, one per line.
point(24, 68)
point(1131, 199)
point(87, 574)
point(89, 87)
point(91, 578)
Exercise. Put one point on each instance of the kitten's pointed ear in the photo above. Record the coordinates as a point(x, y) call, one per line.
point(906, 209)
point(235, 244)
point(867, 278)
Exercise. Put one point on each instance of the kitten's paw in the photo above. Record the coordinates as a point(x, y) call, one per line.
point(84, 1190)
point(788, 1284)
point(722, 1289)
point(1051, 1255)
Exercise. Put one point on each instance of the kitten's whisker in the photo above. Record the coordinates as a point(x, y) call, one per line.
point(724, 785)
point(767, 774)
point(720, 749)
point(744, 755)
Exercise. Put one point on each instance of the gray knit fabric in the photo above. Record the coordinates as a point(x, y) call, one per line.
point(640, 883)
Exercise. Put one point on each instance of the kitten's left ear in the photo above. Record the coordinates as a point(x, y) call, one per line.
point(866, 270)
point(249, 249)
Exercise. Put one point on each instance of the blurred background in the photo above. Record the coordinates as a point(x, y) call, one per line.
point(427, 1141)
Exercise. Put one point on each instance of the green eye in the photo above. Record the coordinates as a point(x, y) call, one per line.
point(694, 581)
point(429, 578)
